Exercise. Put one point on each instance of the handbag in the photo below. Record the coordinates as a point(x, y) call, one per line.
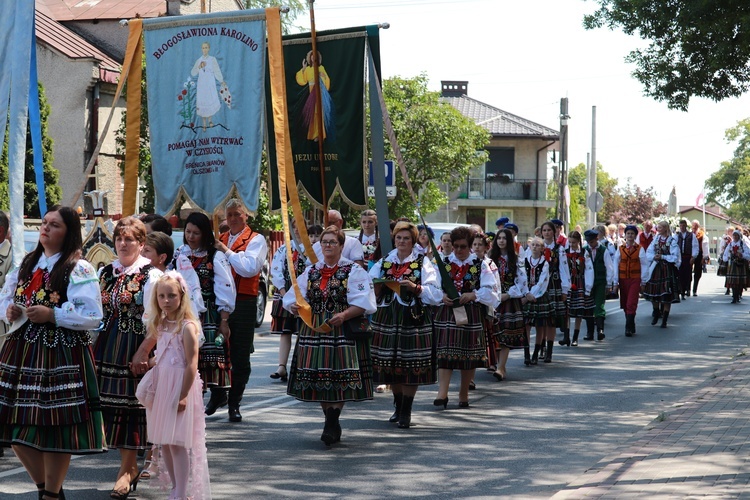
point(358, 328)
point(146, 390)
point(722, 269)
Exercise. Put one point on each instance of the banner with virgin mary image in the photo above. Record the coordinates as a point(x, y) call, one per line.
point(341, 67)
point(205, 82)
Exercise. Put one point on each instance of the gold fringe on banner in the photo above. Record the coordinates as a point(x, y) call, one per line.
point(133, 124)
point(284, 159)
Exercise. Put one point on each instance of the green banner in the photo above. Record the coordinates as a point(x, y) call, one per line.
point(342, 82)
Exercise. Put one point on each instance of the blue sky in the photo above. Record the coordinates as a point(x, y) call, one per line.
point(523, 57)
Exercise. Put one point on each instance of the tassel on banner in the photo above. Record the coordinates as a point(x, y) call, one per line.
point(284, 155)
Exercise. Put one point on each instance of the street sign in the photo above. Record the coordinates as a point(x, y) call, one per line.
point(595, 202)
point(390, 191)
point(390, 174)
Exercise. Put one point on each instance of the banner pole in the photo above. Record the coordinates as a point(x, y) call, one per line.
point(319, 112)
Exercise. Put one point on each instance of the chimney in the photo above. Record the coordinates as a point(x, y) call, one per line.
point(454, 88)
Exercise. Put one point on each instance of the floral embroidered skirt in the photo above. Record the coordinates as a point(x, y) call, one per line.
point(403, 350)
point(282, 321)
point(49, 398)
point(511, 327)
point(461, 347)
point(213, 361)
point(329, 368)
point(663, 287)
point(124, 416)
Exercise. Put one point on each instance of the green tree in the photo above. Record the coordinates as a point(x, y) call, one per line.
point(696, 48)
point(730, 185)
point(606, 185)
point(53, 192)
point(439, 144)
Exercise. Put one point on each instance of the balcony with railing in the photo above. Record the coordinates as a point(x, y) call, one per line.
point(502, 187)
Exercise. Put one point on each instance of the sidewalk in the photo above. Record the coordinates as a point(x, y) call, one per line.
point(698, 448)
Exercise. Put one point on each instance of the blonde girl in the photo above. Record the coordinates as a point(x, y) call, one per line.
point(172, 395)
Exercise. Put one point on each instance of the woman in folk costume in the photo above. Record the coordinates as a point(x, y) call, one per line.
point(125, 285)
point(559, 284)
point(539, 309)
point(328, 367)
point(631, 271)
point(461, 345)
point(736, 255)
point(721, 268)
point(198, 255)
point(56, 411)
point(368, 236)
point(662, 287)
point(480, 246)
point(510, 332)
point(580, 305)
point(599, 278)
point(402, 344)
point(283, 323)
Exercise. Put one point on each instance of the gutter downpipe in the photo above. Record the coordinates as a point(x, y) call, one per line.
point(536, 212)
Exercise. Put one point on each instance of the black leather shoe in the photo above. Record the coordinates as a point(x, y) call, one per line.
point(234, 414)
point(217, 401)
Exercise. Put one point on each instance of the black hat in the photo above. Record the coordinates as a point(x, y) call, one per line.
point(557, 222)
point(502, 221)
point(631, 227)
point(511, 226)
point(591, 234)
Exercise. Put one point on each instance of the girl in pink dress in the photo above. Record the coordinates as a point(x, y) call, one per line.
point(171, 391)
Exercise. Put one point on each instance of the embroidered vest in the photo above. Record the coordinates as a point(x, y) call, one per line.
point(685, 242)
point(244, 286)
point(600, 270)
point(300, 263)
point(50, 334)
point(507, 275)
point(397, 272)
point(331, 298)
point(466, 278)
point(630, 263)
point(577, 265)
point(122, 299)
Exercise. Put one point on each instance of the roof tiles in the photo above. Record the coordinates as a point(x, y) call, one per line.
point(498, 122)
point(79, 10)
point(63, 40)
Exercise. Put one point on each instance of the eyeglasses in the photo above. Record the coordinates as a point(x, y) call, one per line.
point(329, 243)
point(460, 247)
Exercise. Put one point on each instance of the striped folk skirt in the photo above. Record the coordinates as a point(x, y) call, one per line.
point(403, 351)
point(461, 347)
point(540, 313)
point(124, 417)
point(510, 325)
point(664, 286)
point(559, 311)
point(213, 361)
point(282, 321)
point(328, 368)
point(580, 306)
point(737, 274)
point(49, 398)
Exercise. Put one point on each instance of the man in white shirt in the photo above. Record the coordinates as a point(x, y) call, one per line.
point(352, 247)
point(246, 252)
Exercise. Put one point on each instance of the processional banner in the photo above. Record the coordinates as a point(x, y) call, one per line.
point(341, 64)
point(205, 81)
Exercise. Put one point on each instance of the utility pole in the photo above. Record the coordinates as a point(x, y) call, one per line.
point(592, 165)
point(562, 211)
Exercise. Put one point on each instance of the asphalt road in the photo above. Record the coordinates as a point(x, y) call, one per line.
point(522, 438)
